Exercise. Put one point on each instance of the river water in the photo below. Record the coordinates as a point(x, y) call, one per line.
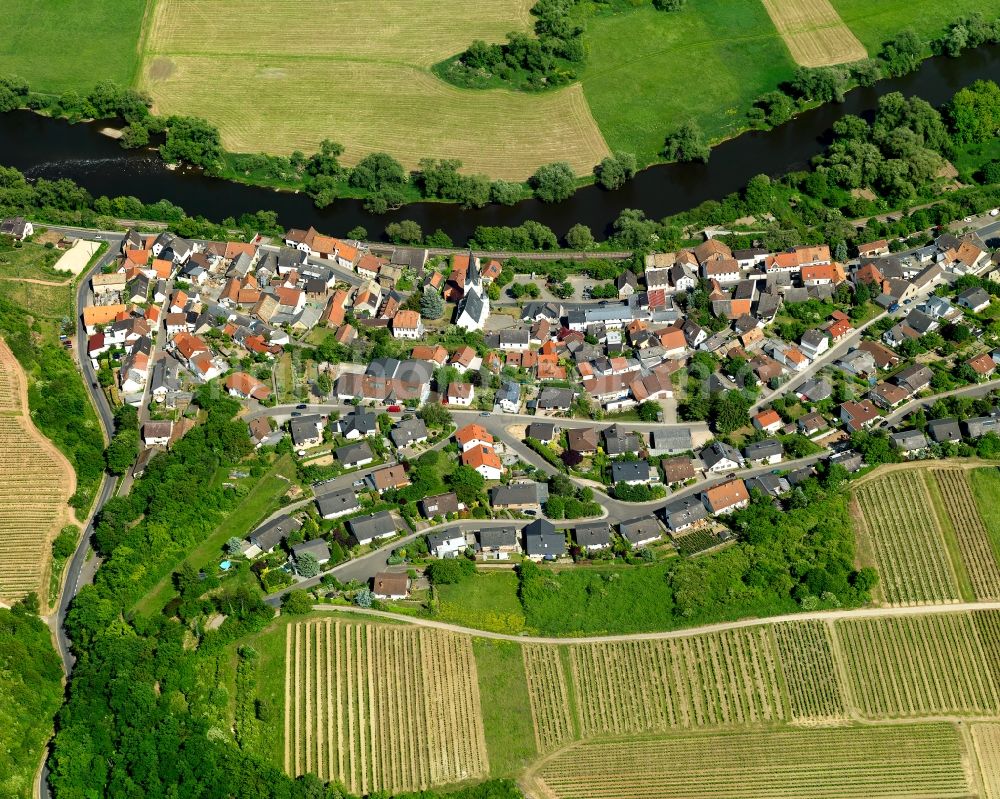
point(49, 148)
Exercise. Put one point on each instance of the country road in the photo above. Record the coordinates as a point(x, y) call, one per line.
point(820, 615)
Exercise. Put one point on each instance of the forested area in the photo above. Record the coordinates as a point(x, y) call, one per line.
point(784, 560)
point(30, 693)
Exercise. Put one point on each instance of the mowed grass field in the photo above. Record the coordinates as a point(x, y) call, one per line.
point(647, 70)
point(365, 82)
point(69, 45)
point(36, 482)
point(814, 32)
point(875, 21)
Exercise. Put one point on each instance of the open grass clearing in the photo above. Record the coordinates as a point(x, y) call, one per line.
point(507, 714)
point(847, 763)
point(260, 500)
point(647, 70)
point(367, 85)
point(875, 22)
point(487, 601)
point(62, 46)
point(815, 34)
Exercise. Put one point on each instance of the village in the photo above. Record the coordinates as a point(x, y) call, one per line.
point(708, 375)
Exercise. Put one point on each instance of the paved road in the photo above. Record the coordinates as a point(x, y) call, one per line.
point(976, 390)
point(820, 615)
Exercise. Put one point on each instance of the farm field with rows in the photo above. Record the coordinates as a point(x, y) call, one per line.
point(381, 707)
point(843, 762)
point(977, 551)
point(931, 665)
point(906, 539)
point(36, 482)
point(722, 678)
point(550, 696)
point(806, 655)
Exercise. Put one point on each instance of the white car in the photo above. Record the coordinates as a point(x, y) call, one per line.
point(968, 219)
point(995, 212)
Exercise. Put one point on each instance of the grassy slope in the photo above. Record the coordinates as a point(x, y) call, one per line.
point(648, 69)
point(507, 720)
point(261, 500)
point(487, 601)
point(60, 45)
point(986, 489)
point(950, 538)
point(874, 22)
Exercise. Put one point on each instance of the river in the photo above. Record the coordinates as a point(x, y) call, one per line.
point(42, 147)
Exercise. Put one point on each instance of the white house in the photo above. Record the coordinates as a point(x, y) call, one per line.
point(18, 227)
point(157, 433)
point(447, 544)
point(408, 325)
point(814, 343)
point(460, 394)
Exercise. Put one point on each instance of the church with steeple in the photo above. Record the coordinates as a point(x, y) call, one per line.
point(473, 309)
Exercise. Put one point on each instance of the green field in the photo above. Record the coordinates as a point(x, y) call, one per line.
point(875, 22)
point(488, 601)
point(640, 74)
point(260, 500)
point(69, 45)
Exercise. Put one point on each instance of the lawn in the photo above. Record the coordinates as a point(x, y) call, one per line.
point(260, 500)
point(648, 70)
point(487, 601)
point(367, 85)
point(507, 720)
point(874, 22)
point(30, 260)
point(60, 45)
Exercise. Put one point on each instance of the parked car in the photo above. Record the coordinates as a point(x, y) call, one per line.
point(394, 409)
point(302, 407)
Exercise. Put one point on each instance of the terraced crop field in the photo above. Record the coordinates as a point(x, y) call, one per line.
point(806, 655)
point(549, 694)
point(365, 83)
point(906, 539)
point(913, 666)
point(819, 763)
point(728, 677)
point(381, 707)
point(35, 483)
point(986, 739)
point(970, 532)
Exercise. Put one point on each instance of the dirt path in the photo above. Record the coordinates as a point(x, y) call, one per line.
point(65, 515)
point(37, 281)
point(821, 615)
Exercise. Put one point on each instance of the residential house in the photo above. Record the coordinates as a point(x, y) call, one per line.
point(388, 477)
point(473, 435)
point(371, 528)
point(768, 451)
point(408, 325)
point(592, 536)
point(448, 543)
point(888, 395)
point(640, 532)
point(677, 470)
point(545, 432)
point(542, 542)
point(245, 386)
point(265, 538)
point(620, 442)
point(631, 473)
point(391, 585)
point(499, 543)
point(815, 390)
point(307, 431)
point(983, 365)
point(976, 300)
point(461, 394)
point(521, 497)
point(440, 504)
point(683, 514)
point(335, 504)
point(726, 497)
point(408, 432)
point(721, 457)
point(944, 431)
point(909, 442)
point(769, 484)
point(981, 425)
point(484, 460)
point(354, 456)
point(914, 378)
point(359, 423)
point(814, 343)
point(670, 441)
point(17, 227)
point(873, 249)
point(157, 434)
point(582, 440)
point(554, 399)
point(883, 357)
point(507, 398)
point(858, 415)
point(103, 284)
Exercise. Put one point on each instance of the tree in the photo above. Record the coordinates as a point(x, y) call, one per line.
point(122, 451)
point(553, 183)
point(649, 411)
point(449, 571)
point(134, 136)
point(234, 545)
point(434, 415)
point(902, 53)
point(431, 304)
point(193, 141)
point(405, 232)
point(357, 233)
point(364, 598)
point(579, 237)
point(324, 384)
point(614, 170)
point(307, 565)
point(377, 171)
point(974, 112)
point(296, 603)
point(467, 484)
point(686, 143)
point(669, 5)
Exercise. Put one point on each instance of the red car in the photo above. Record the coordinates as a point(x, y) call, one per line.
point(394, 409)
